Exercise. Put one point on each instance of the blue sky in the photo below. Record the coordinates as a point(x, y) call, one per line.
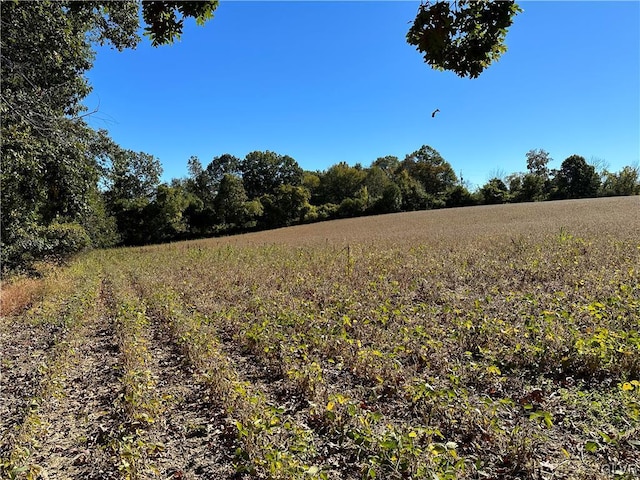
point(326, 82)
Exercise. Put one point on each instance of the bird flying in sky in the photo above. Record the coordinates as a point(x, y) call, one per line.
point(433, 115)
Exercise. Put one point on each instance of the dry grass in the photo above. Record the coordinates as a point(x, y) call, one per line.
point(605, 216)
point(484, 342)
point(19, 295)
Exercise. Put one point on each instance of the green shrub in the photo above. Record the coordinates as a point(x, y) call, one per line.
point(32, 243)
point(64, 239)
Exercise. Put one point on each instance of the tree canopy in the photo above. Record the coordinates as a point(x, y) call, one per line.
point(464, 36)
point(576, 179)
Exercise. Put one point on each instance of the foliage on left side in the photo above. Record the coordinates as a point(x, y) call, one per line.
point(52, 162)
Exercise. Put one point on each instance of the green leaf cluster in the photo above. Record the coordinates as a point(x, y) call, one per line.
point(464, 37)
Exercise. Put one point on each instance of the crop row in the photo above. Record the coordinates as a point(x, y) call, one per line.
point(469, 358)
point(519, 358)
point(68, 312)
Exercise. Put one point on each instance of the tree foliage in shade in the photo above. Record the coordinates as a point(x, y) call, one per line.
point(494, 192)
point(165, 20)
point(465, 36)
point(286, 206)
point(576, 179)
point(230, 201)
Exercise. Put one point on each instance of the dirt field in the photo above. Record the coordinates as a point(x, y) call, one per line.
point(483, 342)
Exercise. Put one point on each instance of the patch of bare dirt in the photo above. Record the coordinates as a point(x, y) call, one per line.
point(81, 423)
point(192, 430)
point(23, 348)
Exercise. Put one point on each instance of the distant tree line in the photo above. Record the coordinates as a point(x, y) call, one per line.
point(268, 190)
point(124, 202)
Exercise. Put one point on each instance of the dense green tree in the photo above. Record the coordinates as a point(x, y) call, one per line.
point(100, 225)
point(535, 188)
point(527, 187)
point(390, 201)
point(356, 205)
point(132, 175)
point(49, 165)
point(264, 172)
point(200, 212)
point(204, 183)
point(495, 191)
point(47, 171)
point(536, 184)
point(166, 214)
point(199, 221)
point(576, 179)
point(131, 182)
point(231, 201)
point(465, 36)
point(311, 181)
point(625, 182)
point(376, 181)
point(514, 184)
point(459, 196)
point(412, 194)
point(197, 182)
point(225, 164)
point(388, 164)
point(434, 173)
point(339, 182)
point(286, 206)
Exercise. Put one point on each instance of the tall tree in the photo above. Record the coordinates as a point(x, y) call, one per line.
point(538, 163)
point(388, 164)
point(204, 183)
point(49, 164)
point(576, 179)
point(231, 201)
point(132, 175)
point(339, 182)
point(131, 182)
point(264, 172)
point(286, 206)
point(432, 171)
point(494, 191)
point(625, 182)
point(200, 183)
point(412, 194)
point(165, 214)
point(225, 164)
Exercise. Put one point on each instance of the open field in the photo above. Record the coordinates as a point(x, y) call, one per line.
point(485, 342)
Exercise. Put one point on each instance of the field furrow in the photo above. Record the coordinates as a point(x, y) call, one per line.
point(509, 354)
point(55, 437)
point(81, 420)
point(24, 349)
point(190, 429)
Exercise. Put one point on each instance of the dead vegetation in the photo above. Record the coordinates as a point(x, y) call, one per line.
point(486, 342)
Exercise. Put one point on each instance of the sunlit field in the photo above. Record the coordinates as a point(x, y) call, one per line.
point(488, 342)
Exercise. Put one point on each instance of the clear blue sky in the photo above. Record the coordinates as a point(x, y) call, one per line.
point(326, 82)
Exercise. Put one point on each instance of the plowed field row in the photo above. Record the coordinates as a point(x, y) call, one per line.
point(428, 351)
